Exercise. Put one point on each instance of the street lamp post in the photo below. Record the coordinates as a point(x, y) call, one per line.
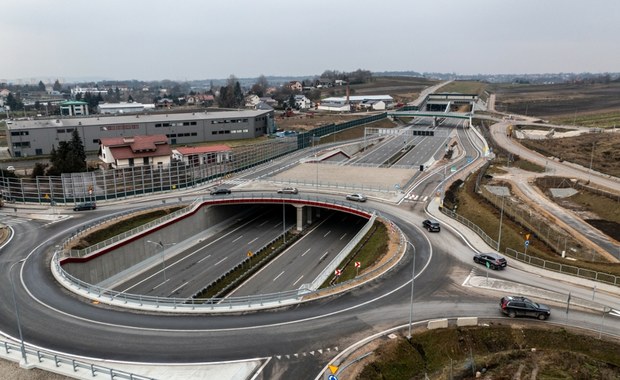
point(19, 326)
point(501, 218)
point(412, 281)
point(163, 256)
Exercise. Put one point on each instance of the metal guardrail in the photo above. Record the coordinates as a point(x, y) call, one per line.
point(88, 369)
point(536, 261)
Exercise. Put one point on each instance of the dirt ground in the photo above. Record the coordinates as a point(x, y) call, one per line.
point(12, 371)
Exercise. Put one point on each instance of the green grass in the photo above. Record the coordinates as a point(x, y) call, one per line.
point(464, 87)
point(370, 250)
point(125, 225)
point(498, 348)
point(528, 166)
point(592, 120)
point(355, 132)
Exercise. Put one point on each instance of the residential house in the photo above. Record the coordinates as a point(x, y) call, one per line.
point(4, 93)
point(141, 150)
point(251, 101)
point(295, 85)
point(302, 102)
point(200, 99)
point(198, 155)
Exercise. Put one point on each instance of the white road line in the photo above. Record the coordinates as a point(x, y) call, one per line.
point(237, 238)
point(343, 236)
point(281, 273)
point(424, 200)
point(178, 288)
point(260, 225)
point(256, 238)
point(299, 279)
point(615, 313)
point(324, 255)
point(219, 262)
point(204, 258)
point(328, 232)
point(160, 284)
point(307, 250)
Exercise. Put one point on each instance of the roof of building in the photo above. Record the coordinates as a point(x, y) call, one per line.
point(358, 98)
point(120, 105)
point(101, 120)
point(73, 103)
point(137, 146)
point(189, 150)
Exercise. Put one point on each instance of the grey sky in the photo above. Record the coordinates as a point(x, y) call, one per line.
point(199, 39)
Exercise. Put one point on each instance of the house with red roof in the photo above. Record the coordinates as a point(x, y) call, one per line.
point(199, 155)
point(143, 150)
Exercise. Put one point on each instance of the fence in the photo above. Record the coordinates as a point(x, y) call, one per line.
point(536, 261)
point(142, 180)
point(88, 369)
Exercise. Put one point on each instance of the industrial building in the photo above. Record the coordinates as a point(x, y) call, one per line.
point(34, 137)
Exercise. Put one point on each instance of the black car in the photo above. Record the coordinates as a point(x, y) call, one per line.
point(491, 260)
point(517, 306)
point(431, 225)
point(220, 191)
point(85, 206)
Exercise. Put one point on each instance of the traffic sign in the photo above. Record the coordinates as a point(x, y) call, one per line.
point(527, 236)
point(332, 377)
point(358, 264)
point(488, 264)
point(338, 272)
point(249, 253)
point(527, 242)
point(333, 368)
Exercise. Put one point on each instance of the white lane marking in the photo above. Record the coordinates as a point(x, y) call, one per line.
point(299, 279)
point(343, 235)
point(307, 250)
point(260, 225)
point(237, 238)
point(219, 262)
point(204, 258)
point(328, 232)
point(615, 313)
point(178, 288)
point(324, 255)
point(256, 238)
point(160, 284)
point(281, 273)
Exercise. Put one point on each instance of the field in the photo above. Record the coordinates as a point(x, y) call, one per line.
point(593, 105)
point(402, 89)
point(601, 149)
point(464, 87)
point(498, 351)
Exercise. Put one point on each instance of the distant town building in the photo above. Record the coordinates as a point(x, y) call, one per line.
point(124, 107)
point(35, 137)
point(74, 108)
point(90, 90)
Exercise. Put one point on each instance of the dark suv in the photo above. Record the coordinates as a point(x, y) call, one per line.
point(516, 306)
point(491, 260)
point(431, 225)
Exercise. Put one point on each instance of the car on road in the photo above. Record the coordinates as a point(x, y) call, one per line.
point(491, 260)
point(85, 206)
point(431, 225)
point(220, 191)
point(357, 197)
point(517, 306)
point(10, 168)
point(288, 190)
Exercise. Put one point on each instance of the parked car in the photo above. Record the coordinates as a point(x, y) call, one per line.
point(85, 206)
point(517, 306)
point(220, 191)
point(288, 190)
point(431, 225)
point(356, 197)
point(494, 260)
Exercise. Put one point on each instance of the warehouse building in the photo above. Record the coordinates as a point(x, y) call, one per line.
point(34, 137)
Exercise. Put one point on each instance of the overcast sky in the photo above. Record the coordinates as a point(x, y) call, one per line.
point(203, 39)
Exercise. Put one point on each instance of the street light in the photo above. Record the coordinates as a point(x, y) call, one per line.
point(163, 256)
point(412, 281)
point(501, 217)
point(19, 326)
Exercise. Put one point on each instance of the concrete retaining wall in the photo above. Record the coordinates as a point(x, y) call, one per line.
point(467, 321)
point(137, 251)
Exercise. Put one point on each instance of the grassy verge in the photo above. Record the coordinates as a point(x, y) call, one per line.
point(355, 132)
point(592, 120)
point(121, 226)
point(368, 251)
point(502, 351)
point(464, 87)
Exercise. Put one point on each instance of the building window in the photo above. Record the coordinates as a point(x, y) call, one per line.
point(96, 141)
